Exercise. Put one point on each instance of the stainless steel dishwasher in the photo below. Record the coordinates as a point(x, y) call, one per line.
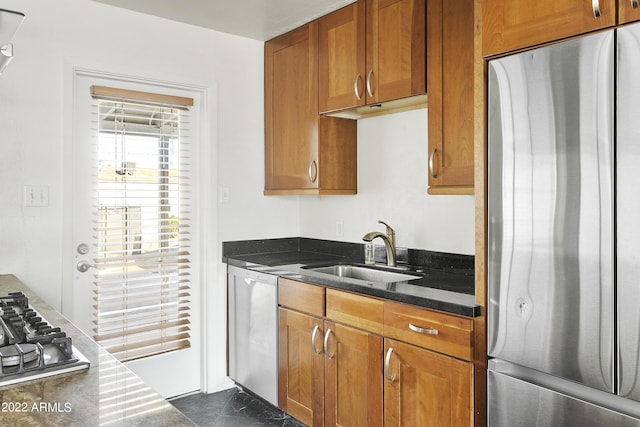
point(253, 331)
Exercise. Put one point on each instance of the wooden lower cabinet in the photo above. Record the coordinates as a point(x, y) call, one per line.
point(301, 366)
point(353, 384)
point(339, 385)
point(333, 370)
point(423, 388)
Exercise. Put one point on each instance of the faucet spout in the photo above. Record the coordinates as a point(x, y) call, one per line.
point(388, 244)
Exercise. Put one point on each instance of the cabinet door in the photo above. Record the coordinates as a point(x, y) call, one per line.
point(301, 367)
point(515, 24)
point(628, 11)
point(450, 81)
point(396, 49)
point(341, 63)
point(291, 109)
point(423, 388)
point(353, 380)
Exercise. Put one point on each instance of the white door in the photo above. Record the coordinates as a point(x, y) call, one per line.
point(116, 219)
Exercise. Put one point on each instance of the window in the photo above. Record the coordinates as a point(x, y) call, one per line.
point(141, 216)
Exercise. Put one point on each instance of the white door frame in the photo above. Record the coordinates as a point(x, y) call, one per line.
point(207, 211)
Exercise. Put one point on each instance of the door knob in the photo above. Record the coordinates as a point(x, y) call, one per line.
point(83, 266)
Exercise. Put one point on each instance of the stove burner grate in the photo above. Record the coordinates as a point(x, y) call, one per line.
point(29, 346)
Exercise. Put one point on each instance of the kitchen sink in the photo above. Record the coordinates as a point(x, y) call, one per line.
point(363, 273)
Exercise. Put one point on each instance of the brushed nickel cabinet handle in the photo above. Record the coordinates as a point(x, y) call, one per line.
point(313, 340)
point(313, 171)
point(425, 331)
point(369, 90)
point(356, 86)
point(387, 371)
point(595, 5)
point(634, 4)
point(432, 171)
point(326, 345)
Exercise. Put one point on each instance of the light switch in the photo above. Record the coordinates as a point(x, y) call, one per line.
point(223, 196)
point(36, 195)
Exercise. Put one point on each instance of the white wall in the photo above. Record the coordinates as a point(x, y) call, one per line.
point(392, 187)
point(35, 132)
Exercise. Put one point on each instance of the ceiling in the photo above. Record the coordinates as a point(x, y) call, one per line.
point(255, 19)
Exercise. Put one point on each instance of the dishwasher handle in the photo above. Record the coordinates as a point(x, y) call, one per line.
point(251, 277)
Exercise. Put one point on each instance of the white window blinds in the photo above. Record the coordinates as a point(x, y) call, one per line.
point(141, 215)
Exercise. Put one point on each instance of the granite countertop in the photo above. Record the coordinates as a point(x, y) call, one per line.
point(107, 393)
point(439, 286)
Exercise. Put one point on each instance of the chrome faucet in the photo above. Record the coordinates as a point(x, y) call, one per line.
point(389, 242)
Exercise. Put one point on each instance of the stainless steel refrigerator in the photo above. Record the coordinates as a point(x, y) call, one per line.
point(564, 233)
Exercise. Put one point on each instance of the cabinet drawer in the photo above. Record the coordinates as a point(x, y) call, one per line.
point(355, 310)
point(433, 330)
point(301, 296)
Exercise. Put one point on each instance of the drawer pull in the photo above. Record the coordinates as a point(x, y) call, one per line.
point(420, 330)
point(634, 4)
point(387, 371)
point(326, 345)
point(313, 340)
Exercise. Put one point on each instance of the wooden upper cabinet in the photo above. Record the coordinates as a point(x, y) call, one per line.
point(628, 11)
point(509, 25)
point(372, 51)
point(341, 49)
point(396, 51)
point(450, 87)
point(304, 153)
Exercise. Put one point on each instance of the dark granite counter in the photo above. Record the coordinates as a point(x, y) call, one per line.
point(107, 393)
point(445, 281)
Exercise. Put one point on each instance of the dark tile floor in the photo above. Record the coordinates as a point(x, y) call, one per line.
point(232, 408)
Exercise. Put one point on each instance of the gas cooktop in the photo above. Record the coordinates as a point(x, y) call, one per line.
point(31, 348)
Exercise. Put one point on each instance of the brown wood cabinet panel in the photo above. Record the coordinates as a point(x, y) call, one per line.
point(355, 310)
point(444, 333)
point(304, 153)
point(353, 380)
point(450, 86)
point(427, 389)
point(337, 170)
point(628, 11)
point(372, 51)
point(332, 369)
point(301, 368)
point(341, 48)
point(291, 108)
point(509, 25)
point(396, 49)
point(301, 296)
